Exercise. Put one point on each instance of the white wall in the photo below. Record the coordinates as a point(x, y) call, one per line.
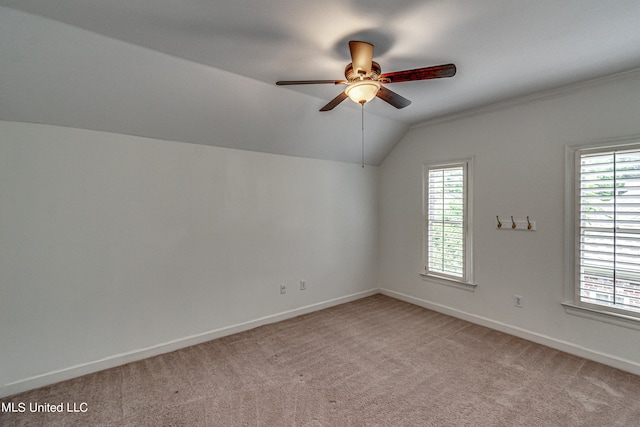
point(519, 170)
point(115, 247)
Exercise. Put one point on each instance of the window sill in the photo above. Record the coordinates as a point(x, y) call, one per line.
point(603, 316)
point(448, 282)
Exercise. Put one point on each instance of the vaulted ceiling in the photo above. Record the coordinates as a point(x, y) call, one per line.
point(204, 71)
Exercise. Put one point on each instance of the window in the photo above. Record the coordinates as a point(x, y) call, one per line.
point(607, 229)
point(447, 221)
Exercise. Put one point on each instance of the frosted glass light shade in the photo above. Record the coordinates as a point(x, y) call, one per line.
point(362, 90)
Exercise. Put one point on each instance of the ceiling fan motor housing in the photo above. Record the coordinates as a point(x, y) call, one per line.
point(352, 75)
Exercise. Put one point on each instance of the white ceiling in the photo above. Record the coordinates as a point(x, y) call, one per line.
point(204, 71)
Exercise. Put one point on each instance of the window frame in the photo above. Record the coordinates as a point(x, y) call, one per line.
point(466, 281)
point(572, 301)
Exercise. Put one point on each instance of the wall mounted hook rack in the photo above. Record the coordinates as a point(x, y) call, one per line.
point(516, 224)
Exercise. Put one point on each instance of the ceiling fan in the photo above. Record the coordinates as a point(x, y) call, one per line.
point(364, 79)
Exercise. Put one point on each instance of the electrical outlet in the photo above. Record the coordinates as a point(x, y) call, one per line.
point(303, 285)
point(283, 289)
point(517, 301)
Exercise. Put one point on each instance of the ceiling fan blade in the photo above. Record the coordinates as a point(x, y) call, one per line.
point(310, 82)
point(392, 98)
point(361, 56)
point(426, 73)
point(334, 102)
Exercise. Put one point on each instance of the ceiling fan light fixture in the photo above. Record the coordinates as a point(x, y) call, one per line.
point(362, 91)
point(364, 78)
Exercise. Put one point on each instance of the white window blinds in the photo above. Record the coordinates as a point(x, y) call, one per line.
point(609, 229)
point(446, 221)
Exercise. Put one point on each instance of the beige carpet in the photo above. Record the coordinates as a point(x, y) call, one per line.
point(373, 362)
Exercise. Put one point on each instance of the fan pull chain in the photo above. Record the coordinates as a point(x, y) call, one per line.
point(362, 103)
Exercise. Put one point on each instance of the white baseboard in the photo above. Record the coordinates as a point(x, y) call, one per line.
point(122, 359)
point(567, 347)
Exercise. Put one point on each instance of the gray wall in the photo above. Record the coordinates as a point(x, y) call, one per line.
point(113, 248)
point(518, 151)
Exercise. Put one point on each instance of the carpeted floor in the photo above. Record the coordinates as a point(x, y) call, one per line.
point(373, 362)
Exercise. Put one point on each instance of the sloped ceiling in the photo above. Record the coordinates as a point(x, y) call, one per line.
point(204, 72)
